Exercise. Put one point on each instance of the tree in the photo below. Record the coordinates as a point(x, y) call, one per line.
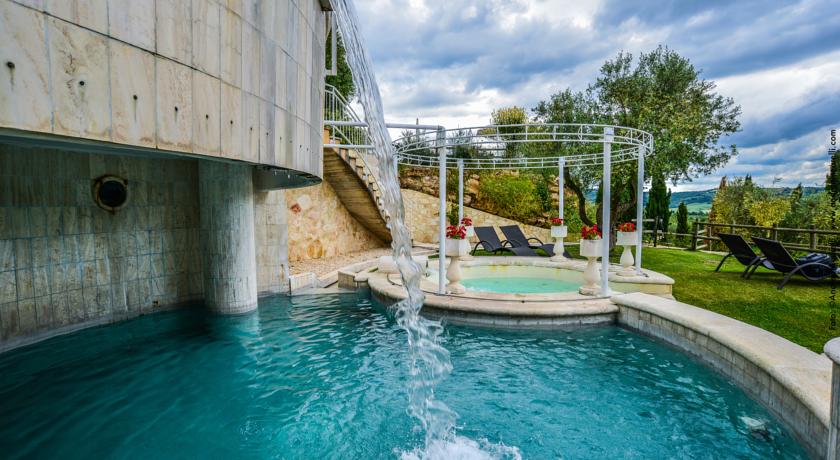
point(509, 135)
point(682, 220)
point(343, 80)
point(731, 204)
point(659, 202)
point(769, 212)
point(662, 94)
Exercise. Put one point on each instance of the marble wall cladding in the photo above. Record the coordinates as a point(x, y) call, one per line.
point(271, 227)
point(65, 263)
point(77, 65)
point(320, 226)
point(227, 237)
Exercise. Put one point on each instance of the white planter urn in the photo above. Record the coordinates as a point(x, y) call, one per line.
point(559, 232)
point(470, 233)
point(591, 249)
point(628, 240)
point(455, 250)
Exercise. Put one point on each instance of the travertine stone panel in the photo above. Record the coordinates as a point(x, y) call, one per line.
point(67, 263)
point(272, 50)
point(250, 59)
point(231, 65)
point(25, 88)
point(231, 122)
point(133, 21)
point(174, 29)
point(227, 237)
point(80, 82)
point(206, 30)
point(174, 106)
point(281, 119)
point(92, 14)
point(206, 111)
point(267, 137)
point(268, 69)
point(37, 4)
point(233, 5)
point(132, 95)
point(320, 226)
point(250, 127)
point(272, 239)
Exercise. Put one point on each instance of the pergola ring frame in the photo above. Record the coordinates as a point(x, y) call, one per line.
point(633, 144)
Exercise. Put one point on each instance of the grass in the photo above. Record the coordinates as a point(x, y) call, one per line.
point(800, 312)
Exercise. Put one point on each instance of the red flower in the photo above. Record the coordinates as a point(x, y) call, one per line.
point(590, 233)
point(466, 221)
point(458, 232)
point(556, 221)
point(627, 227)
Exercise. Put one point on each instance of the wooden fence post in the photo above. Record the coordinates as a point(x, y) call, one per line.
point(655, 229)
point(694, 235)
point(812, 238)
point(774, 233)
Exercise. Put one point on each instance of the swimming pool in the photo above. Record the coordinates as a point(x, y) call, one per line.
point(324, 377)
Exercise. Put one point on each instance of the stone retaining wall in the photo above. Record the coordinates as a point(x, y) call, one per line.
point(320, 225)
point(422, 212)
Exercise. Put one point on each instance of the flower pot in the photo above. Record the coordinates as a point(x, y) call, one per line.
point(626, 239)
point(590, 248)
point(559, 231)
point(470, 231)
point(457, 248)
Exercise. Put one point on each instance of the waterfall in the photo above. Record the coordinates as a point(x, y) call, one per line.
point(429, 361)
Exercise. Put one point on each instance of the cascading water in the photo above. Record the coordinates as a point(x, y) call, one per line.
point(429, 360)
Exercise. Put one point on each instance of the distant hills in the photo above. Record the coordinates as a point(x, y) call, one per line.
point(700, 201)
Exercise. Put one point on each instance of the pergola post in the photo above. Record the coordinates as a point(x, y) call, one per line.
point(460, 190)
point(561, 181)
point(605, 207)
point(640, 198)
point(441, 141)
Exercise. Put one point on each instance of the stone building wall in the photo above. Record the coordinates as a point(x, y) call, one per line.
point(422, 217)
point(66, 263)
point(320, 225)
point(425, 180)
point(272, 241)
point(238, 79)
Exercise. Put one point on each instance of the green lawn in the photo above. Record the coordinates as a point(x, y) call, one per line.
point(800, 312)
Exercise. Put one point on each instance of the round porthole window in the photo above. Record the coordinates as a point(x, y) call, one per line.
point(110, 193)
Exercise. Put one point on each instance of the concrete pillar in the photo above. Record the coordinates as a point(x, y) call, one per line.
point(226, 199)
point(832, 350)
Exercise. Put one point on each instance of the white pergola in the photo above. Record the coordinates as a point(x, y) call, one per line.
point(617, 144)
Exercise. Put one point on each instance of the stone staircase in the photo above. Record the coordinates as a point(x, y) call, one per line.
point(356, 186)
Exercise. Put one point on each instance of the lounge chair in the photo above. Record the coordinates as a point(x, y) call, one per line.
point(489, 240)
point(518, 239)
point(742, 252)
point(813, 267)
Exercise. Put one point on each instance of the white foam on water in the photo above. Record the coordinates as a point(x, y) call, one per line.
point(462, 448)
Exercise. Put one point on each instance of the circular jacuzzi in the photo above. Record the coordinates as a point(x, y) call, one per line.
point(517, 279)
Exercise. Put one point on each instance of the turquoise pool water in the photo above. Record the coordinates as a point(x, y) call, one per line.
point(519, 285)
point(323, 377)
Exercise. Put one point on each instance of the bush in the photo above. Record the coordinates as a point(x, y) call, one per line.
point(510, 196)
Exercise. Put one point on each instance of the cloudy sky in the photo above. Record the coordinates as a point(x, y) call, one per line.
point(452, 61)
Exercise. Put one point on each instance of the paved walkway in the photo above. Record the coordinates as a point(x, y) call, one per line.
point(329, 264)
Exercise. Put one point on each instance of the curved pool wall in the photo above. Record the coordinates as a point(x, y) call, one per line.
point(320, 377)
point(794, 383)
point(206, 109)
